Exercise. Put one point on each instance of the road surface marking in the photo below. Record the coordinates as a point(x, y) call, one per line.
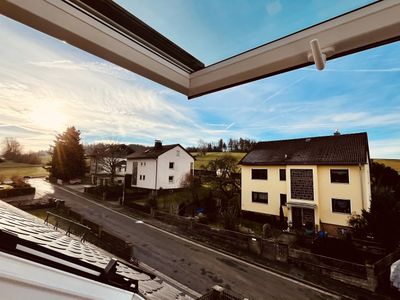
point(210, 249)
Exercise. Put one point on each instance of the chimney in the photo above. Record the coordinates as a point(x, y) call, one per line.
point(157, 144)
point(336, 133)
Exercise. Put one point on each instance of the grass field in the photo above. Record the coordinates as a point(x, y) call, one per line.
point(393, 163)
point(10, 168)
point(204, 160)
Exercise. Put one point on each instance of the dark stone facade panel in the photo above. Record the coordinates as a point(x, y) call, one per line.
point(301, 184)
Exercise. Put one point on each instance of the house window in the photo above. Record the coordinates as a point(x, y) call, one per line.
point(341, 206)
point(259, 197)
point(178, 152)
point(282, 174)
point(283, 199)
point(259, 174)
point(140, 177)
point(171, 165)
point(170, 179)
point(144, 177)
point(339, 176)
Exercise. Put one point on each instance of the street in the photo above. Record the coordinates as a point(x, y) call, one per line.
point(193, 265)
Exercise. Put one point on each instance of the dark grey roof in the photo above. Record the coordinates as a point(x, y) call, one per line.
point(154, 152)
point(30, 228)
point(323, 150)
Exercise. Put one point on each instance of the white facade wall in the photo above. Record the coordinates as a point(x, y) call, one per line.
point(183, 162)
point(154, 173)
point(146, 178)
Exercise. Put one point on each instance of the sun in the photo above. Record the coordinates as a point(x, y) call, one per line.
point(48, 115)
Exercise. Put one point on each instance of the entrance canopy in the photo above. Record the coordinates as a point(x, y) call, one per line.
point(301, 204)
point(120, 32)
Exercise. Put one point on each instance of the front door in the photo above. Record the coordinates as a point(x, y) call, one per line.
point(302, 216)
point(297, 218)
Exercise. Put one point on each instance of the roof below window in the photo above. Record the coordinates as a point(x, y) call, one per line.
point(107, 30)
point(346, 149)
point(24, 235)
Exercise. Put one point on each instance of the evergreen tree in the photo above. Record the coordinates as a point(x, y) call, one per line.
point(68, 160)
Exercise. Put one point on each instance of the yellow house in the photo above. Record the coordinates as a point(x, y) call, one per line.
point(316, 181)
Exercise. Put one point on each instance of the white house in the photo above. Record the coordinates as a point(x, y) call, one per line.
point(161, 166)
point(316, 180)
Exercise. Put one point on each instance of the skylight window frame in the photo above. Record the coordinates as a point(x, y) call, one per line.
point(367, 27)
point(359, 28)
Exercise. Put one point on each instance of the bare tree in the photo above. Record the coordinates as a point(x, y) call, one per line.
point(12, 148)
point(192, 183)
point(202, 146)
point(227, 185)
point(108, 157)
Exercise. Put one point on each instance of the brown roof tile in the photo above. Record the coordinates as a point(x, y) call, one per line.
point(323, 150)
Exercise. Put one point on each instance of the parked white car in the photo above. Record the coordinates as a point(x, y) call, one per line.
point(75, 181)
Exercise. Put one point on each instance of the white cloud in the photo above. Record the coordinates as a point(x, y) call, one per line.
point(387, 148)
point(273, 7)
point(104, 101)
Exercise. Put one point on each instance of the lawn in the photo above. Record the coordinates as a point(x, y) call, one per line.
point(393, 163)
point(10, 168)
point(203, 160)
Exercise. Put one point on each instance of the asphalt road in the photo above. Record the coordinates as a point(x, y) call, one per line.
point(192, 265)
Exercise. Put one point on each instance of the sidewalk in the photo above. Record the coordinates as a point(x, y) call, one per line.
point(285, 269)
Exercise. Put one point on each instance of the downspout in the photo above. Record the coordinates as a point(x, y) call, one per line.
point(155, 187)
point(362, 186)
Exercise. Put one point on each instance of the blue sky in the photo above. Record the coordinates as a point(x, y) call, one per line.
point(47, 85)
point(214, 30)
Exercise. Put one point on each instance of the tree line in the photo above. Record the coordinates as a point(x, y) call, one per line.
point(13, 150)
point(232, 145)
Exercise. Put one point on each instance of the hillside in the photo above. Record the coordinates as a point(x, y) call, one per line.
point(393, 163)
point(10, 168)
point(203, 160)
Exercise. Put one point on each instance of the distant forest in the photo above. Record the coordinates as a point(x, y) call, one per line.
point(232, 145)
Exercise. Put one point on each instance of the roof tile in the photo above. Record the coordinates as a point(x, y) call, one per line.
point(31, 228)
point(334, 149)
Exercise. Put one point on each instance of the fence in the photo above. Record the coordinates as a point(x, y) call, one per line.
point(382, 268)
point(100, 237)
point(325, 263)
point(143, 208)
point(15, 192)
point(361, 275)
point(223, 237)
point(105, 192)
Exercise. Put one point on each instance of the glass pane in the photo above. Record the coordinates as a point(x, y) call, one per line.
point(215, 30)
